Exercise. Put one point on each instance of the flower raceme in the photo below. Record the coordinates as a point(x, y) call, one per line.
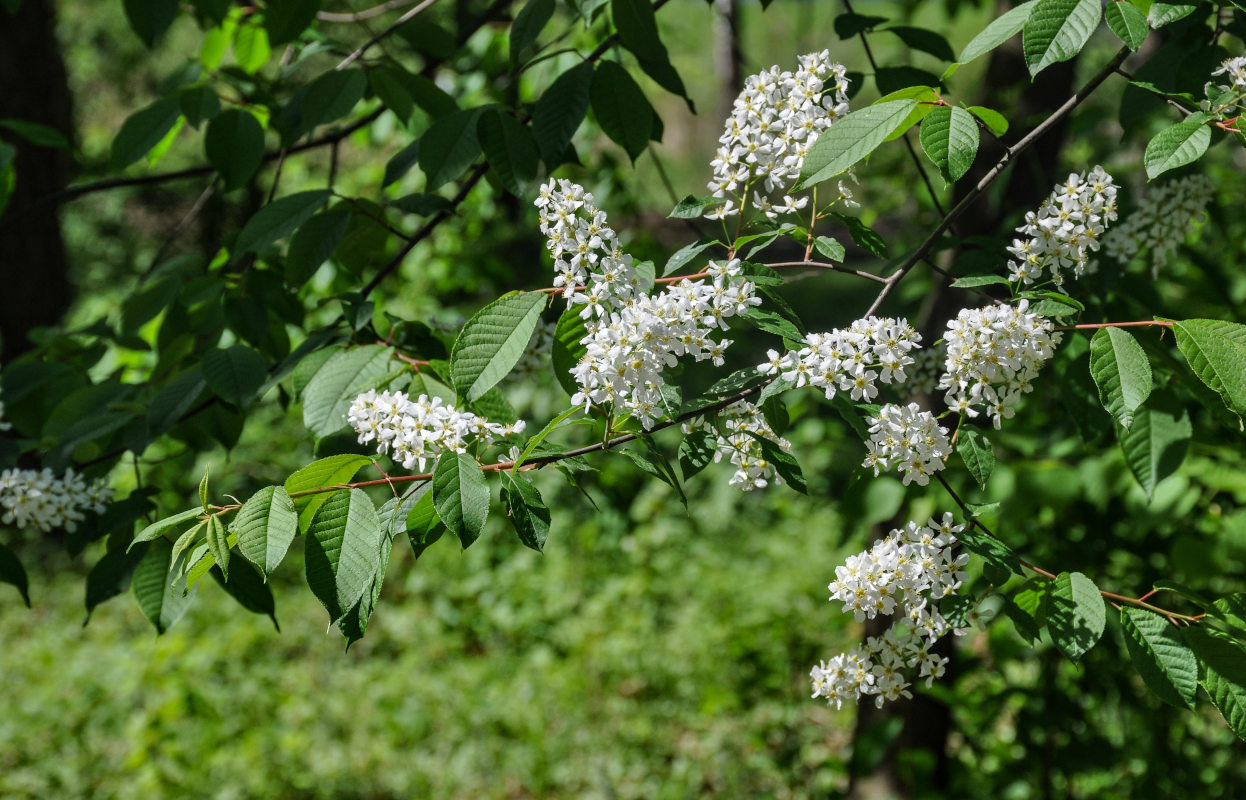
point(39, 498)
point(1161, 221)
point(993, 354)
point(909, 440)
point(416, 432)
point(904, 574)
point(741, 423)
point(1065, 230)
point(849, 359)
point(632, 336)
point(775, 118)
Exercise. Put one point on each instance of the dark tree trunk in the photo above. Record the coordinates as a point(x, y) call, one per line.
point(34, 281)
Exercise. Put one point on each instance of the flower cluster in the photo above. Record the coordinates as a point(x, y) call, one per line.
point(416, 432)
point(1161, 221)
point(904, 574)
point(924, 372)
point(993, 353)
point(909, 440)
point(1065, 230)
point(30, 497)
point(632, 336)
point(774, 119)
point(741, 422)
point(1225, 100)
point(849, 359)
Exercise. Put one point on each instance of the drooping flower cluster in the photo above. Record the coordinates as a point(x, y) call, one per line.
point(1161, 221)
point(993, 353)
point(774, 119)
point(632, 336)
point(741, 422)
point(39, 498)
point(416, 432)
point(849, 359)
point(924, 372)
point(904, 574)
point(909, 440)
point(1065, 230)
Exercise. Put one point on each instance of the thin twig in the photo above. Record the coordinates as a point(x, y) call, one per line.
point(367, 13)
point(1005, 160)
point(398, 23)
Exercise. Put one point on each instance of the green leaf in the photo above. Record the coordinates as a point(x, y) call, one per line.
point(461, 496)
point(245, 585)
point(509, 149)
point(448, 148)
point(13, 573)
point(852, 138)
point(831, 248)
point(160, 527)
point(143, 130)
point(234, 145)
point(424, 527)
point(621, 109)
point(331, 96)
point(36, 133)
point(527, 511)
point(1155, 444)
point(999, 561)
point(1176, 146)
point(218, 544)
point(1166, 664)
point(149, 19)
point(696, 452)
point(1216, 351)
point(110, 577)
point(559, 112)
point(278, 219)
point(528, 24)
point(1075, 614)
point(950, 138)
point(993, 120)
point(1162, 14)
point(152, 585)
point(1003, 28)
point(638, 31)
point(331, 471)
point(343, 550)
point(566, 350)
point(251, 47)
point(862, 235)
point(692, 207)
point(924, 40)
point(265, 526)
point(972, 281)
point(335, 386)
point(1128, 23)
point(1224, 675)
point(203, 491)
point(285, 21)
point(313, 244)
point(492, 342)
point(850, 24)
point(685, 254)
point(1121, 371)
point(1025, 609)
point(234, 374)
point(1057, 30)
point(783, 462)
point(978, 454)
point(553, 425)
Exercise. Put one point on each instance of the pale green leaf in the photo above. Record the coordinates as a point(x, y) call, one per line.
point(152, 586)
point(1223, 674)
point(949, 135)
point(1178, 145)
point(343, 551)
point(852, 138)
point(331, 471)
point(1166, 664)
point(1216, 351)
point(1156, 442)
point(492, 342)
point(1076, 614)
point(978, 454)
point(1056, 30)
point(461, 496)
point(335, 386)
point(265, 526)
point(1128, 23)
point(1001, 29)
point(1121, 371)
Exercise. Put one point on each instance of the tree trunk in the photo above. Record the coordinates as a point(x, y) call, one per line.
point(33, 264)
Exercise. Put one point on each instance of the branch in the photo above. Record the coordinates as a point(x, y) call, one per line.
point(1120, 598)
point(367, 13)
point(1010, 154)
point(398, 23)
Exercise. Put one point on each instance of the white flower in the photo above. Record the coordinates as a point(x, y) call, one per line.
point(632, 336)
point(909, 440)
point(740, 423)
point(849, 359)
point(39, 498)
point(903, 575)
point(1065, 229)
point(1161, 221)
point(773, 120)
point(993, 354)
point(416, 432)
